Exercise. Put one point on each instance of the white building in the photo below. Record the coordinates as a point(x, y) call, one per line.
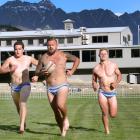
point(84, 43)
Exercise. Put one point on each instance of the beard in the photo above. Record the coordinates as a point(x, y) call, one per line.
point(51, 52)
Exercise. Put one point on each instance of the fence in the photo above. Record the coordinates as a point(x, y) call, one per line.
point(39, 91)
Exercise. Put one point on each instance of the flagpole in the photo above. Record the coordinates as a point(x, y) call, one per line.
point(138, 34)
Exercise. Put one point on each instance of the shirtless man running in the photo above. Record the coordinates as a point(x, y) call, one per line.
point(57, 85)
point(109, 77)
point(18, 66)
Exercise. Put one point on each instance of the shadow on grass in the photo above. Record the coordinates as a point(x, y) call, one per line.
point(37, 132)
point(81, 128)
point(13, 128)
point(84, 129)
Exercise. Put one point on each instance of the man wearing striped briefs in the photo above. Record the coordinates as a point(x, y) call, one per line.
point(18, 66)
point(109, 76)
point(57, 85)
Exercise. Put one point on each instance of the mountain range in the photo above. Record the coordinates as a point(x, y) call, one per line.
point(44, 14)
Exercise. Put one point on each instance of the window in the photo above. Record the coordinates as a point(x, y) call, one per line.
point(94, 39)
point(89, 56)
point(115, 53)
point(9, 42)
point(61, 40)
point(99, 39)
point(37, 54)
point(30, 41)
point(135, 53)
point(76, 53)
point(124, 39)
point(128, 38)
point(105, 38)
point(20, 40)
point(69, 40)
point(41, 41)
point(5, 55)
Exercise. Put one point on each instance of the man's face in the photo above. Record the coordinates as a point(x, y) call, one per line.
point(52, 46)
point(18, 50)
point(103, 55)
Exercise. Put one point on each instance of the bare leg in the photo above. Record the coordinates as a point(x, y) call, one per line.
point(23, 114)
point(16, 98)
point(112, 106)
point(104, 107)
point(57, 113)
point(61, 103)
point(24, 94)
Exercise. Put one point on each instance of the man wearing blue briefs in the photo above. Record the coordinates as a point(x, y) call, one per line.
point(109, 76)
point(18, 66)
point(53, 66)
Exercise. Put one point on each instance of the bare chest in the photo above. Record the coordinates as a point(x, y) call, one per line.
point(105, 71)
point(57, 59)
point(21, 64)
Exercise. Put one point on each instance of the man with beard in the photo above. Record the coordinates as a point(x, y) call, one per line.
point(56, 79)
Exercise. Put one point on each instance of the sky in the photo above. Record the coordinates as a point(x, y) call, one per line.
point(116, 6)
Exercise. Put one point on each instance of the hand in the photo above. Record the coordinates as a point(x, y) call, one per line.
point(34, 78)
point(95, 86)
point(44, 72)
point(113, 86)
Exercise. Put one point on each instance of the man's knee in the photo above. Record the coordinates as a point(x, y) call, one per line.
point(113, 115)
point(104, 114)
point(61, 107)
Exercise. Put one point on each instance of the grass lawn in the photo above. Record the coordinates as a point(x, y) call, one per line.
point(84, 116)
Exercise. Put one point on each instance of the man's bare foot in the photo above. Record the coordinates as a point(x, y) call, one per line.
point(107, 132)
point(22, 128)
point(65, 127)
point(21, 131)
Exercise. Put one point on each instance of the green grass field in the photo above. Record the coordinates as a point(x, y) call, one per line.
point(84, 116)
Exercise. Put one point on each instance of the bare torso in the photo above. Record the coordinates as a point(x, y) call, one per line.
point(58, 76)
point(106, 75)
point(21, 74)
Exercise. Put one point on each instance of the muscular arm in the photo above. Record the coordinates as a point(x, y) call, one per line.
point(94, 80)
point(75, 61)
point(38, 71)
point(34, 61)
point(5, 67)
point(118, 77)
point(38, 68)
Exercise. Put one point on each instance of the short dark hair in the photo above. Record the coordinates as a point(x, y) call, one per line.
point(18, 43)
point(50, 39)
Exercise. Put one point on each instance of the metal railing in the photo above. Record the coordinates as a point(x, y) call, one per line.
point(39, 91)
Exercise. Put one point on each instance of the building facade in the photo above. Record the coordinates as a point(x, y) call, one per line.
point(84, 43)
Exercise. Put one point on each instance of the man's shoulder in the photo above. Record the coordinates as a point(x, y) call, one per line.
point(45, 55)
point(10, 58)
point(113, 63)
point(61, 52)
point(27, 57)
point(96, 67)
